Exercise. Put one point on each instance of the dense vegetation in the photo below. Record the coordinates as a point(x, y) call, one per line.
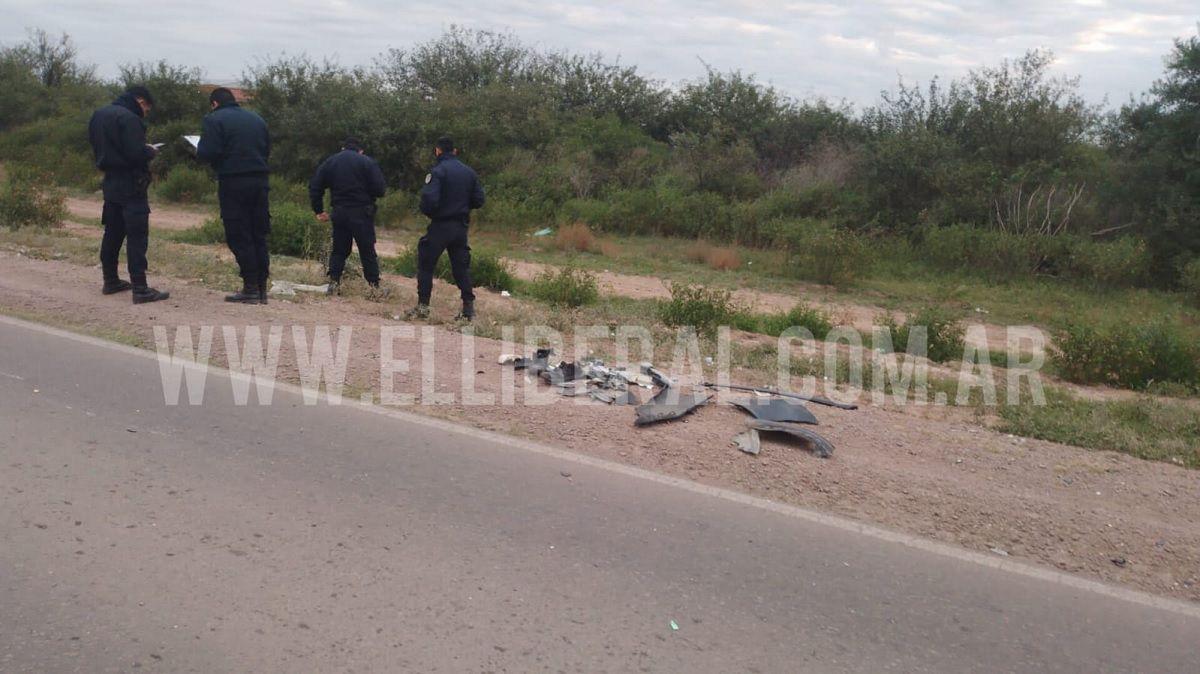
point(1006, 174)
point(1006, 171)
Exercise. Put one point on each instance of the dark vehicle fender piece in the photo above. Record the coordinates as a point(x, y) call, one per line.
point(669, 403)
point(776, 409)
point(817, 444)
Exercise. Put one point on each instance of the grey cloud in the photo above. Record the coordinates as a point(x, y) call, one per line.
point(839, 50)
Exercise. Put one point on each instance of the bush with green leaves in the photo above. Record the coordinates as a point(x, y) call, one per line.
point(813, 319)
point(982, 251)
point(284, 191)
point(488, 269)
point(566, 287)
point(818, 251)
point(1121, 263)
point(696, 306)
point(211, 231)
point(944, 333)
point(1127, 355)
point(27, 199)
point(296, 232)
point(1189, 280)
point(396, 209)
point(187, 185)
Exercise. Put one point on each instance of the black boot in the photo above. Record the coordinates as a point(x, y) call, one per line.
point(262, 289)
point(247, 295)
point(144, 293)
point(115, 285)
point(468, 311)
point(419, 312)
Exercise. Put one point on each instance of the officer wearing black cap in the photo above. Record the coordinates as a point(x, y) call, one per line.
point(452, 190)
point(354, 182)
point(118, 136)
point(237, 144)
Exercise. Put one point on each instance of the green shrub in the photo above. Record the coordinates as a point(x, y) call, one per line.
point(396, 209)
point(980, 251)
point(285, 192)
point(943, 333)
point(186, 184)
point(594, 212)
point(1127, 356)
point(212, 231)
point(704, 309)
point(568, 287)
point(56, 147)
point(1123, 262)
point(813, 319)
point(26, 200)
point(818, 251)
point(1143, 427)
point(516, 214)
point(296, 232)
point(1189, 280)
point(488, 269)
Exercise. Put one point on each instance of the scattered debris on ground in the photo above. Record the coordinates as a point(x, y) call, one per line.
point(748, 441)
point(813, 441)
point(820, 400)
point(773, 411)
point(669, 403)
point(289, 289)
point(772, 408)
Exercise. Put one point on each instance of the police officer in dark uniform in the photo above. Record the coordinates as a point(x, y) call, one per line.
point(452, 190)
point(354, 181)
point(237, 144)
point(118, 136)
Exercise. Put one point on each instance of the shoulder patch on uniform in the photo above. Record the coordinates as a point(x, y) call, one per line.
point(428, 177)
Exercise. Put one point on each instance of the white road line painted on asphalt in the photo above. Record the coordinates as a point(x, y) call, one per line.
point(1008, 565)
point(12, 376)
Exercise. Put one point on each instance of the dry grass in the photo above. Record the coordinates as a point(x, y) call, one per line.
point(723, 259)
point(719, 258)
point(609, 248)
point(697, 251)
point(577, 238)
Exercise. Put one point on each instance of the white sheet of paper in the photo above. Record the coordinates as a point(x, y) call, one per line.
point(194, 141)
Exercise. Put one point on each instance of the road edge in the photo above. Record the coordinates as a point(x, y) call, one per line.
point(1021, 568)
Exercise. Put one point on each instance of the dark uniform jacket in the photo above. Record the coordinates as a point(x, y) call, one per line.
point(451, 191)
point(118, 136)
point(235, 141)
point(352, 179)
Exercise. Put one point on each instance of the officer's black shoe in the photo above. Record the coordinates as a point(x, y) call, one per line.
point(377, 292)
point(116, 286)
point(144, 294)
point(262, 289)
point(421, 311)
point(467, 313)
point(334, 287)
point(247, 295)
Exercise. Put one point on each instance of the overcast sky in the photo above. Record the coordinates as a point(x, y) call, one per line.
point(840, 50)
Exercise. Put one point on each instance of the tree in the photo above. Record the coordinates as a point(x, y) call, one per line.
point(1157, 142)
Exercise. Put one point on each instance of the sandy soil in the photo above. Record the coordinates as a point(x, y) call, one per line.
point(860, 317)
point(161, 217)
point(1074, 509)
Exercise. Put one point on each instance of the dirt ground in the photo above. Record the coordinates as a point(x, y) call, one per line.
point(860, 317)
point(942, 478)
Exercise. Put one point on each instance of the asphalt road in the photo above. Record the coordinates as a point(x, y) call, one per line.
point(294, 538)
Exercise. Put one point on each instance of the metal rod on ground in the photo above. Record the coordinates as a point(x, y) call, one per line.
point(820, 400)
